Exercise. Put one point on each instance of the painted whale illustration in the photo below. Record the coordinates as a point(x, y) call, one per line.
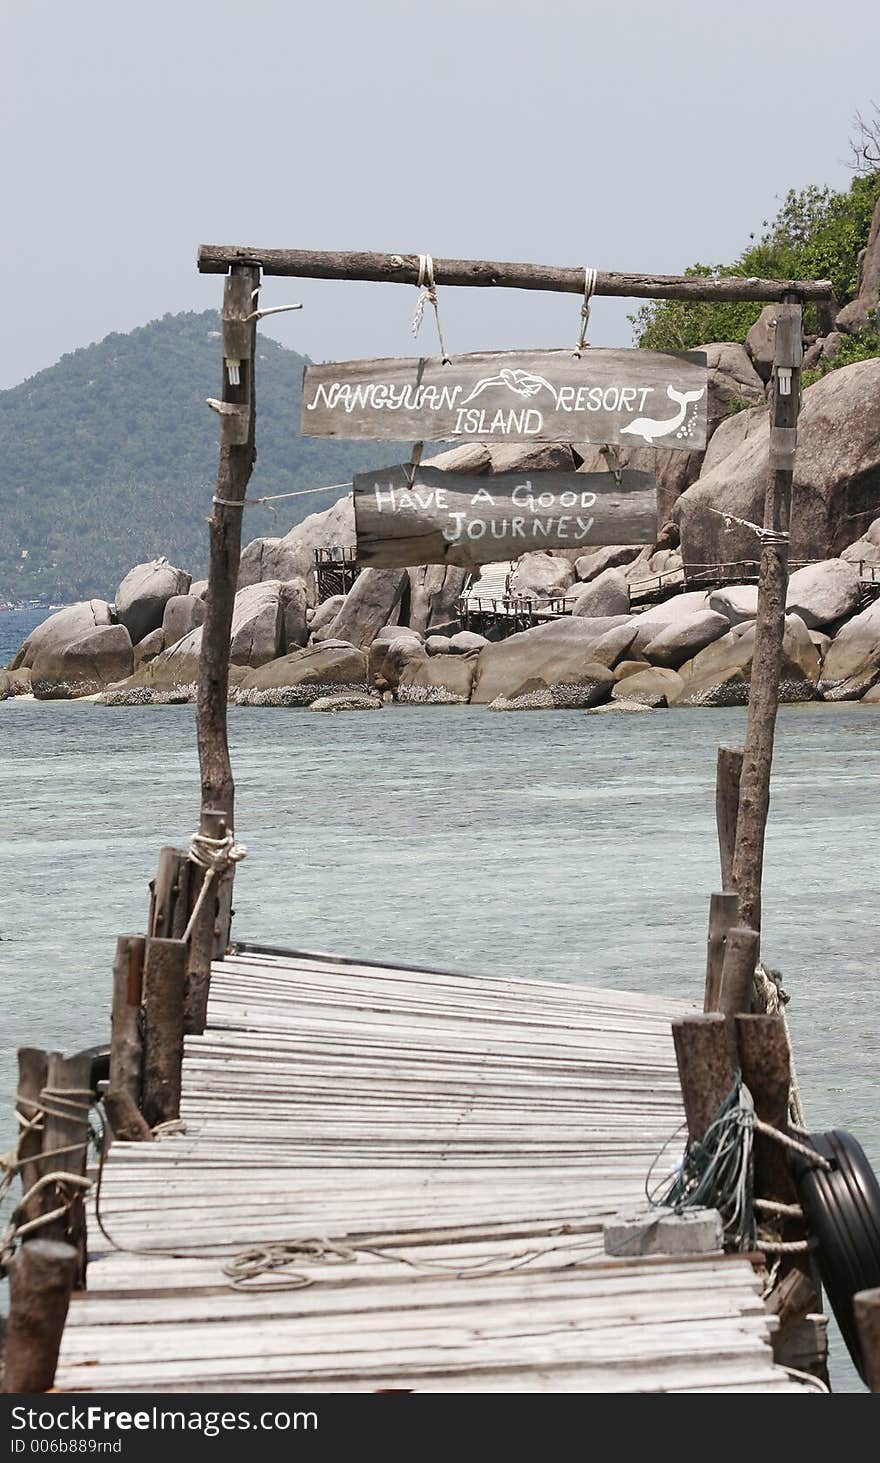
point(522, 382)
point(650, 427)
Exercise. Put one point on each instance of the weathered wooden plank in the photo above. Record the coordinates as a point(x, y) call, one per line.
point(632, 397)
point(406, 515)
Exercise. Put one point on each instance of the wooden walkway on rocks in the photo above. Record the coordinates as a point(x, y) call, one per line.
point(452, 1144)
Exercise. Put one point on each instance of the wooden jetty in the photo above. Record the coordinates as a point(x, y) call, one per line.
point(459, 1141)
point(324, 1174)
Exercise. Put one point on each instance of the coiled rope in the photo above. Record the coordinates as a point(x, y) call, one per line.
point(716, 1172)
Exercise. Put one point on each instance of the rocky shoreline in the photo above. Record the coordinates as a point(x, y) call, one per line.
point(397, 635)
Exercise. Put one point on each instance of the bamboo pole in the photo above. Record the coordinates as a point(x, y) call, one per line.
point(754, 787)
point(404, 269)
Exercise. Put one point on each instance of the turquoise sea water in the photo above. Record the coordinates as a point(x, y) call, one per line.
point(548, 844)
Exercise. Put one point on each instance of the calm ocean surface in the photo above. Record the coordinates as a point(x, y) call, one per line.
point(554, 845)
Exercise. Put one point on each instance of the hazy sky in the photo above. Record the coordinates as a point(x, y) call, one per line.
point(629, 136)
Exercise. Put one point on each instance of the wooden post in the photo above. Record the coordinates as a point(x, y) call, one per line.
point(765, 1062)
point(126, 1046)
point(171, 893)
point(41, 1276)
point(123, 1095)
point(754, 790)
point(33, 1069)
point(728, 774)
point(866, 1305)
point(705, 1068)
point(67, 1098)
point(164, 989)
point(237, 455)
point(211, 926)
point(723, 914)
point(738, 973)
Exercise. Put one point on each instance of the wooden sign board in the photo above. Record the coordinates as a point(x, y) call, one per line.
point(423, 515)
point(634, 398)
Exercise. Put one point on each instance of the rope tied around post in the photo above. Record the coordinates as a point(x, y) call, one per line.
point(428, 297)
point(72, 1102)
point(215, 856)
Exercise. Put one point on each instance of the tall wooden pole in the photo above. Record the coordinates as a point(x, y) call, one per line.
point(237, 457)
point(754, 790)
point(237, 410)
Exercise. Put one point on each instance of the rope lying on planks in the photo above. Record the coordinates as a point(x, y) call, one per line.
point(72, 1102)
point(216, 856)
point(717, 1173)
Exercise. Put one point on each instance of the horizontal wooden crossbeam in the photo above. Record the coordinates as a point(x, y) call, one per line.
point(482, 273)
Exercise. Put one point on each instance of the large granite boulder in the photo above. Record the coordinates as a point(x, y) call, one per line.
point(300, 678)
point(837, 475)
point(183, 612)
point(148, 648)
point(325, 613)
point(761, 342)
point(266, 620)
point(541, 576)
point(655, 687)
point(15, 683)
point(555, 654)
point(677, 607)
point(612, 556)
point(685, 638)
point(271, 558)
point(391, 652)
point(854, 650)
point(434, 593)
point(64, 628)
point(872, 697)
point(590, 685)
point(824, 592)
point(464, 642)
point(441, 680)
point(865, 550)
point(293, 557)
point(854, 315)
point(143, 594)
point(608, 594)
point(720, 675)
point(84, 667)
point(737, 602)
point(373, 602)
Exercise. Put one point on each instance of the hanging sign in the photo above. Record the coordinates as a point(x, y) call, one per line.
point(634, 398)
point(423, 515)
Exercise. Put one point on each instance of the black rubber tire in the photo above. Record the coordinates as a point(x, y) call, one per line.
point(842, 1211)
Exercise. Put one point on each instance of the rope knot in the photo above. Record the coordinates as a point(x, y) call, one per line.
point(428, 297)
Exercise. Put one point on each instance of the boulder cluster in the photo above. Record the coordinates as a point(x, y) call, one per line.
point(398, 635)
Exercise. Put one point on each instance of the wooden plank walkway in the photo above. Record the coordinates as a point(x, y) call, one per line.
point(462, 1139)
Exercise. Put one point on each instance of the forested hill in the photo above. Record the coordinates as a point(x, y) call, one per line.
point(109, 458)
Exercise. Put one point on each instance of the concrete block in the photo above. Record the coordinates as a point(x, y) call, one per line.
point(660, 1231)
